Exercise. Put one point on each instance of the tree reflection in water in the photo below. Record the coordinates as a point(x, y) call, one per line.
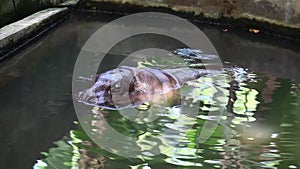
point(258, 129)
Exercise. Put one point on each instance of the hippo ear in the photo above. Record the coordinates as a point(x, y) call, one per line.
point(173, 80)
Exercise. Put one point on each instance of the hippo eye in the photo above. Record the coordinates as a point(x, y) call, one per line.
point(102, 87)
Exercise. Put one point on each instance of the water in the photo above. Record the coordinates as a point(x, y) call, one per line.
point(260, 130)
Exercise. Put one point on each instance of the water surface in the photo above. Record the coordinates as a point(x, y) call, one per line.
point(259, 130)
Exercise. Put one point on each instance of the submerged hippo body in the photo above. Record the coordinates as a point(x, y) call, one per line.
point(129, 86)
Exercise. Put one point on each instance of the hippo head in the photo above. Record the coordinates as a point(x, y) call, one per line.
point(107, 86)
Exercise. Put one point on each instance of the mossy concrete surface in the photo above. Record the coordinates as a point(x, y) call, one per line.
point(13, 33)
point(284, 13)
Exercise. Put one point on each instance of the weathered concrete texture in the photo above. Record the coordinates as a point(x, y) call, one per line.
point(280, 12)
point(15, 32)
point(69, 3)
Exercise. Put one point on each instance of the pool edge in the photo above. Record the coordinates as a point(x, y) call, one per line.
point(16, 35)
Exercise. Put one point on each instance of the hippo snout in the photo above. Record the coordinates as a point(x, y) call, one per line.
point(87, 96)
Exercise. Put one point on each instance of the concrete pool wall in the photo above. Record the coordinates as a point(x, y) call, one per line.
point(17, 34)
point(279, 12)
point(274, 17)
point(14, 34)
point(12, 10)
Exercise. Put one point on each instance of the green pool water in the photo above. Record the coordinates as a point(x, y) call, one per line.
point(258, 129)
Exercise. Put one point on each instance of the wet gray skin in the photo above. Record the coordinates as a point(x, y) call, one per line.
point(129, 86)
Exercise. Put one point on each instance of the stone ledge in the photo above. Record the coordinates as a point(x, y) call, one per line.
point(284, 13)
point(69, 3)
point(16, 32)
point(278, 18)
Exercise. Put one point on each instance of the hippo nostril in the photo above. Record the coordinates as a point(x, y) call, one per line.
point(93, 97)
point(80, 96)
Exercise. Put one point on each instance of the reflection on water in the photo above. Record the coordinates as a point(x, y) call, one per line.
point(259, 129)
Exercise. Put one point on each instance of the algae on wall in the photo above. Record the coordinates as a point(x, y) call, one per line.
point(280, 12)
point(12, 10)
